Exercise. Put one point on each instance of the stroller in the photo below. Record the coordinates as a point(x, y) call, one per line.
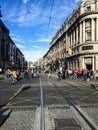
point(96, 83)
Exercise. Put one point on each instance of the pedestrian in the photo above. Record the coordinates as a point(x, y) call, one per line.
point(31, 74)
point(96, 76)
point(63, 74)
point(26, 74)
point(69, 73)
point(9, 73)
point(49, 74)
point(38, 73)
point(88, 75)
point(59, 75)
point(84, 73)
point(75, 74)
point(18, 74)
point(14, 76)
point(79, 73)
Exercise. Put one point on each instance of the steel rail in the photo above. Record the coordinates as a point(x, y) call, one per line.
point(75, 86)
point(73, 104)
point(41, 106)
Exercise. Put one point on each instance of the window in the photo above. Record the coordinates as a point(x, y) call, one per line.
point(2, 48)
point(87, 48)
point(88, 23)
point(88, 8)
point(88, 36)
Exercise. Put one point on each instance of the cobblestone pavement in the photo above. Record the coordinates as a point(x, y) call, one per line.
point(92, 112)
point(28, 119)
point(62, 112)
point(20, 119)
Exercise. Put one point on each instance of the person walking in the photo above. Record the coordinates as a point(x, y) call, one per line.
point(75, 74)
point(14, 76)
point(59, 75)
point(8, 73)
point(88, 75)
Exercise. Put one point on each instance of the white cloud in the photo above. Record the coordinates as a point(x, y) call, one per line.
point(20, 46)
point(33, 56)
point(18, 39)
point(37, 47)
point(76, 1)
point(42, 40)
point(25, 1)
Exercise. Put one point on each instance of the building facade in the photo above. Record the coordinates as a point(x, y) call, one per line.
point(76, 43)
point(10, 55)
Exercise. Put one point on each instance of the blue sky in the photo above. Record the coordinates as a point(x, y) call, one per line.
point(33, 23)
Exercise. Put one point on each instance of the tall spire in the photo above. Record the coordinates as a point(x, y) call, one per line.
point(0, 12)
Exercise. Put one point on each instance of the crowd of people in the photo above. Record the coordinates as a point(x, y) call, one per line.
point(14, 74)
point(87, 75)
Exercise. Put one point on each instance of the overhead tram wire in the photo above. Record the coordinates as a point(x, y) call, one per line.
point(29, 12)
point(50, 18)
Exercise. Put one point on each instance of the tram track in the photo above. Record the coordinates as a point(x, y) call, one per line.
point(51, 106)
point(74, 107)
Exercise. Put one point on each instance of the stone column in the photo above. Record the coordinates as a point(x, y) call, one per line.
point(84, 31)
point(96, 62)
point(80, 33)
point(93, 65)
point(96, 5)
point(71, 38)
point(96, 29)
point(77, 34)
point(74, 36)
point(83, 63)
point(93, 30)
point(80, 63)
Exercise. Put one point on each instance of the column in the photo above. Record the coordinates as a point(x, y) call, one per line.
point(80, 33)
point(74, 36)
point(93, 63)
point(70, 38)
point(83, 63)
point(96, 62)
point(96, 29)
point(77, 34)
point(83, 31)
point(93, 30)
point(80, 63)
point(96, 5)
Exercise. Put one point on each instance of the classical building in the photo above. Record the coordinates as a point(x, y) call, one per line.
point(76, 43)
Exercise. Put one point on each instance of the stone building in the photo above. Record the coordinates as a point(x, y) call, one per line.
point(76, 43)
point(10, 55)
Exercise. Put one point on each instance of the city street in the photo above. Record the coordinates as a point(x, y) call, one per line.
point(43, 103)
point(49, 65)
